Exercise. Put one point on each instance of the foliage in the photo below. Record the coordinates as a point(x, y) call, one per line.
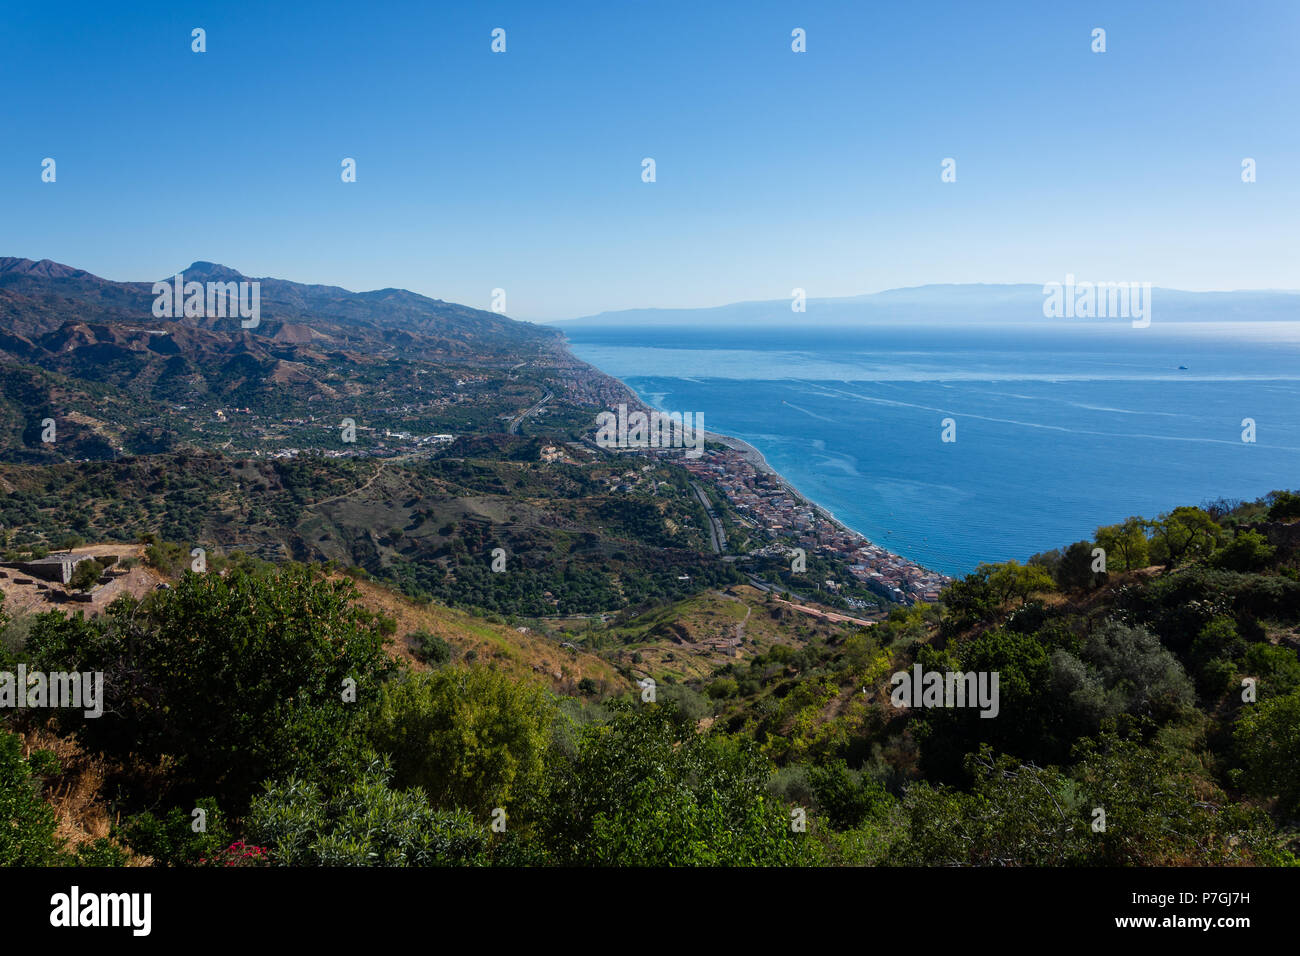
point(642, 790)
point(236, 678)
point(468, 736)
point(364, 822)
point(27, 838)
point(1268, 738)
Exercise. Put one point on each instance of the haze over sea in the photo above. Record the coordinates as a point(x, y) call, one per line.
point(1059, 428)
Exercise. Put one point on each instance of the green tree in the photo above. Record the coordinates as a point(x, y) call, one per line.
point(1125, 544)
point(1157, 811)
point(1015, 580)
point(1075, 570)
point(231, 678)
point(1283, 506)
point(1248, 551)
point(364, 822)
point(170, 838)
point(847, 797)
point(468, 736)
point(1268, 739)
point(645, 789)
point(1182, 533)
point(85, 575)
point(431, 648)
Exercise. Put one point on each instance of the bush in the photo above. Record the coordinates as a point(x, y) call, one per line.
point(234, 678)
point(722, 687)
point(172, 840)
point(646, 790)
point(1249, 551)
point(27, 836)
point(468, 736)
point(365, 823)
point(1268, 738)
point(1284, 506)
point(431, 649)
point(847, 797)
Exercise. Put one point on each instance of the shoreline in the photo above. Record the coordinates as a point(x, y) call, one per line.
point(760, 464)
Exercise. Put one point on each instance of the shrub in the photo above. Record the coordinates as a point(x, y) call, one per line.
point(364, 823)
point(468, 736)
point(27, 836)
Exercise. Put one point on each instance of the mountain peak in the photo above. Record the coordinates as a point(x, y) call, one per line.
point(202, 270)
point(45, 268)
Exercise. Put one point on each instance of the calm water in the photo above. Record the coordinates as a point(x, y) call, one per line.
point(1058, 430)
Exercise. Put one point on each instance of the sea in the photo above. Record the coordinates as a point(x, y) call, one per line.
point(1057, 429)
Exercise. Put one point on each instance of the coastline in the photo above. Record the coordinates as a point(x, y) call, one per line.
point(760, 464)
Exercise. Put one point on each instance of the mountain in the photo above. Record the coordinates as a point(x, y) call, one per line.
point(39, 297)
point(965, 305)
point(91, 354)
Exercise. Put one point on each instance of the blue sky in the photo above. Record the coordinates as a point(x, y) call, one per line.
point(522, 170)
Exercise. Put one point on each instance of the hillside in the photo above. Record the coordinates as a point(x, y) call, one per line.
point(1144, 715)
point(363, 581)
point(91, 355)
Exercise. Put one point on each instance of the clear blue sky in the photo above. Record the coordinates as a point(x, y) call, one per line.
point(775, 170)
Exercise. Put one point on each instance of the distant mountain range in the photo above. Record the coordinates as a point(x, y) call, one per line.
point(953, 305)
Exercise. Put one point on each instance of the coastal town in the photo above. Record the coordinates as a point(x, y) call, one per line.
point(761, 496)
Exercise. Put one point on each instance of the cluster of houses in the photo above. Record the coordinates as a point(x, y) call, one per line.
point(770, 503)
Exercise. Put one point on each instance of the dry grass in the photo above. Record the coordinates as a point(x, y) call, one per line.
point(75, 793)
point(524, 655)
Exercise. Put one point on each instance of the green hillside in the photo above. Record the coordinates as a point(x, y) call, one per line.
point(1146, 715)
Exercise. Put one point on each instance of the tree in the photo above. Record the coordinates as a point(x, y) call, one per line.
point(233, 678)
point(468, 736)
point(1283, 506)
point(1249, 551)
point(85, 575)
point(968, 601)
point(1120, 669)
point(1182, 533)
point(1075, 570)
point(1015, 580)
point(1125, 544)
point(1268, 739)
point(364, 822)
point(431, 648)
point(1019, 814)
point(847, 797)
point(645, 789)
point(27, 834)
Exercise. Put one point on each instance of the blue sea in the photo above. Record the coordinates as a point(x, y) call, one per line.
point(1059, 429)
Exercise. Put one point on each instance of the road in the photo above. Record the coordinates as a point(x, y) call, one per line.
point(514, 425)
point(717, 536)
point(383, 463)
point(825, 615)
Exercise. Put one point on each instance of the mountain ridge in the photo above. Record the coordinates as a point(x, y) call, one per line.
point(991, 303)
